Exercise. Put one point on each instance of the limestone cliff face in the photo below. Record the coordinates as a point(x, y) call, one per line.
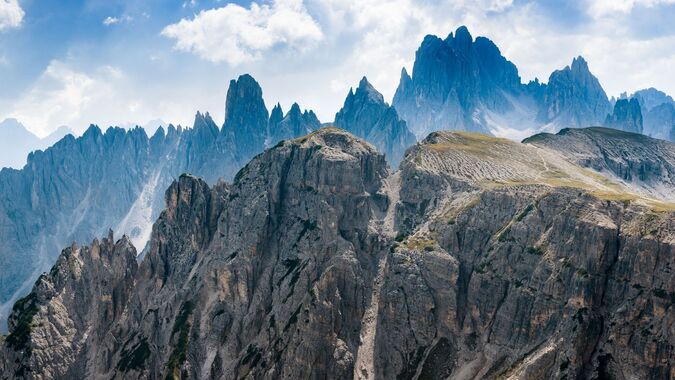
point(60, 329)
point(115, 178)
point(319, 262)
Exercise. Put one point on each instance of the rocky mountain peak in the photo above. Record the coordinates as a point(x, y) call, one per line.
point(627, 116)
point(579, 64)
point(159, 134)
point(367, 90)
point(318, 251)
point(295, 110)
point(295, 123)
point(338, 140)
point(204, 124)
point(455, 82)
point(246, 116)
point(276, 115)
point(658, 112)
point(574, 97)
point(366, 115)
point(461, 41)
point(651, 97)
point(92, 130)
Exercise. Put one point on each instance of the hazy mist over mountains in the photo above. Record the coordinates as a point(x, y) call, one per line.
point(452, 221)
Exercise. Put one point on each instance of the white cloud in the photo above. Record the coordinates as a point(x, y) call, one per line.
point(11, 14)
point(235, 34)
point(190, 3)
point(105, 96)
point(357, 37)
point(110, 20)
point(600, 8)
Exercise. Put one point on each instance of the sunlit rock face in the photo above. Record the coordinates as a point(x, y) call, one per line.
point(115, 179)
point(481, 258)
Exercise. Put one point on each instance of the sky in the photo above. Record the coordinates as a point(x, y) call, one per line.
point(126, 62)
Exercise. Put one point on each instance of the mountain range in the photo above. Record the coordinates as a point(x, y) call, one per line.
point(81, 187)
point(658, 111)
point(466, 84)
point(479, 258)
point(401, 241)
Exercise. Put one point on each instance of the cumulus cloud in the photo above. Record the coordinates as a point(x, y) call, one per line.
point(59, 96)
point(600, 8)
point(110, 20)
point(11, 14)
point(235, 34)
point(351, 38)
point(388, 32)
point(64, 95)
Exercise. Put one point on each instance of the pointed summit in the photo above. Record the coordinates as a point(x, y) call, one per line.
point(295, 124)
point(574, 97)
point(579, 63)
point(366, 115)
point(295, 110)
point(366, 88)
point(404, 74)
point(205, 124)
point(463, 38)
point(454, 82)
point(276, 115)
point(246, 116)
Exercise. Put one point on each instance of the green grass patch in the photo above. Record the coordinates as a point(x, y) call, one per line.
point(400, 237)
point(524, 213)
point(181, 327)
point(483, 267)
point(538, 251)
point(20, 336)
point(504, 235)
point(135, 357)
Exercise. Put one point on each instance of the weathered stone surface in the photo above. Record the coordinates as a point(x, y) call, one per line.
point(319, 262)
point(645, 164)
point(81, 187)
point(58, 330)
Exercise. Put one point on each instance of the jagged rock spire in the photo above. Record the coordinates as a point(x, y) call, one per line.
point(246, 116)
point(366, 115)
